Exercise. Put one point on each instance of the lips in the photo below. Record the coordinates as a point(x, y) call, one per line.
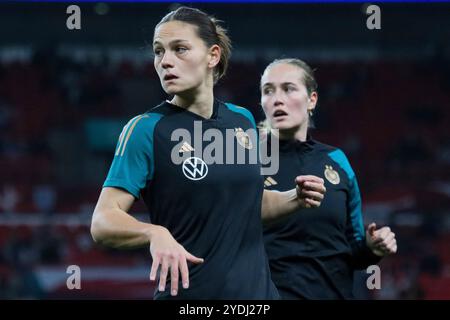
point(169, 77)
point(279, 113)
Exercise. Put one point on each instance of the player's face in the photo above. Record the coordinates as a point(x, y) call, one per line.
point(284, 97)
point(181, 57)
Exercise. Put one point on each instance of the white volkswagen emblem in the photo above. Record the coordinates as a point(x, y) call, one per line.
point(195, 168)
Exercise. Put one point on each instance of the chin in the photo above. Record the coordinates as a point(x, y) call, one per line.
point(171, 90)
point(176, 90)
point(282, 125)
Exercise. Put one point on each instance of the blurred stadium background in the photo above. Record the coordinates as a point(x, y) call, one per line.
point(65, 95)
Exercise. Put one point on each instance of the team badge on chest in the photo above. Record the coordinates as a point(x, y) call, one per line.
point(331, 175)
point(243, 138)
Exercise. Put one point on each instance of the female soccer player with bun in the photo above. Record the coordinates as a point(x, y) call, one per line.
point(205, 235)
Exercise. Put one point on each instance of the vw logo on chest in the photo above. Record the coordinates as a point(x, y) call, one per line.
point(195, 168)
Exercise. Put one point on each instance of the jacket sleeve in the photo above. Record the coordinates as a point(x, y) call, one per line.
point(362, 256)
point(133, 163)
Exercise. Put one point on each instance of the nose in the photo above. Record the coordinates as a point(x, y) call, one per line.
point(277, 103)
point(166, 61)
point(278, 99)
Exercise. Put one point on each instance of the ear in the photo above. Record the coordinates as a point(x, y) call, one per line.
point(312, 101)
point(214, 56)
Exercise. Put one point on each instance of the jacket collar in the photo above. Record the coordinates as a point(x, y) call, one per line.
point(294, 145)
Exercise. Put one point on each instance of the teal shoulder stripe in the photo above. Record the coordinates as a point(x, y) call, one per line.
point(242, 111)
point(354, 203)
point(134, 162)
point(125, 132)
point(339, 157)
point(246, 113)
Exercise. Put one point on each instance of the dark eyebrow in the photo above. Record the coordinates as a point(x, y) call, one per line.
point(267, 84)
point(283, 84)
point(173, 42)
point(288, 83)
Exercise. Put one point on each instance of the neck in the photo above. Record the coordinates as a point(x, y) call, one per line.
point(297, 133)
point(200, 101)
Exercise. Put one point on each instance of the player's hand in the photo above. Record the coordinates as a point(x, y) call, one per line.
point(382, 242)
point(310, 191)
point(167, 255)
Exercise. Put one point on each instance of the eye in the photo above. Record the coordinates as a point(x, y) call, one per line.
point(268, 91)
point(157, 52)
point(180, 50)
point(290, 88)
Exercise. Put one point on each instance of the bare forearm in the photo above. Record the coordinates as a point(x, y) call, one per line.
point(277, 204)
point(116, 228)
point(308, 193)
